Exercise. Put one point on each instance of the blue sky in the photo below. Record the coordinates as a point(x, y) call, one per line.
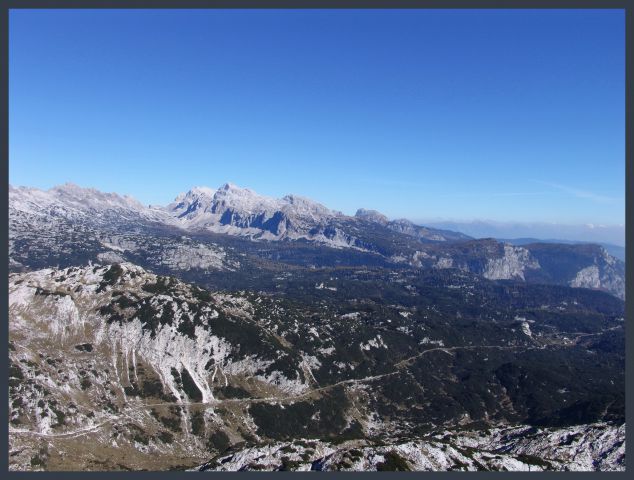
point(502, 115)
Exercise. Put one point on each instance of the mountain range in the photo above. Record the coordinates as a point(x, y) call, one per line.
point(240, 212)
point(232, 331)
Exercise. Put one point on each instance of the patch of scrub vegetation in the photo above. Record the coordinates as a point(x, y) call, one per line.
point(140, 438)
point(289, 465)
point(40, 458)
point(154, 388)
point(110, 277)
point(458, 465)
point(162, 285)
point(173, 421)
point(61, 416)
point(15, 374)
point(202, 295)
point(393, 463)
point(533, 460)
point(166, 437)
point(37, 461)
point(190, 387)
point(355, 454)
point(218, 441)
point(343, 464)
point(323, 418)
point(198, 423)
point(232, 392)
point(113, 274)
point(124, 301)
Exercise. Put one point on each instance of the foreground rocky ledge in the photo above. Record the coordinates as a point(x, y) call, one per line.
point(580, 448)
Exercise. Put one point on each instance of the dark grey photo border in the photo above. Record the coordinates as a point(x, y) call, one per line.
point(245, 4)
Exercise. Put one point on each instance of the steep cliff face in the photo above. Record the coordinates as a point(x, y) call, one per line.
point(511, 265)
point(585, 266)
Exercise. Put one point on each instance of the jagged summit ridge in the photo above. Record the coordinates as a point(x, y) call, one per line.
point(241, 211)
point(236, 210)
point(246, 200)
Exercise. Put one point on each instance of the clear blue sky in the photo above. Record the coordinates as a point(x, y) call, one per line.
point(504, 115)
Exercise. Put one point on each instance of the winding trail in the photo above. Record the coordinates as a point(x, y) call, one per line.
point(401, 365)
point(398, 368)
point(74, 433)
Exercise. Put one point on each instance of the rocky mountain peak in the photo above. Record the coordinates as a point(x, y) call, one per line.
point(371, 215)
point(231, 186)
